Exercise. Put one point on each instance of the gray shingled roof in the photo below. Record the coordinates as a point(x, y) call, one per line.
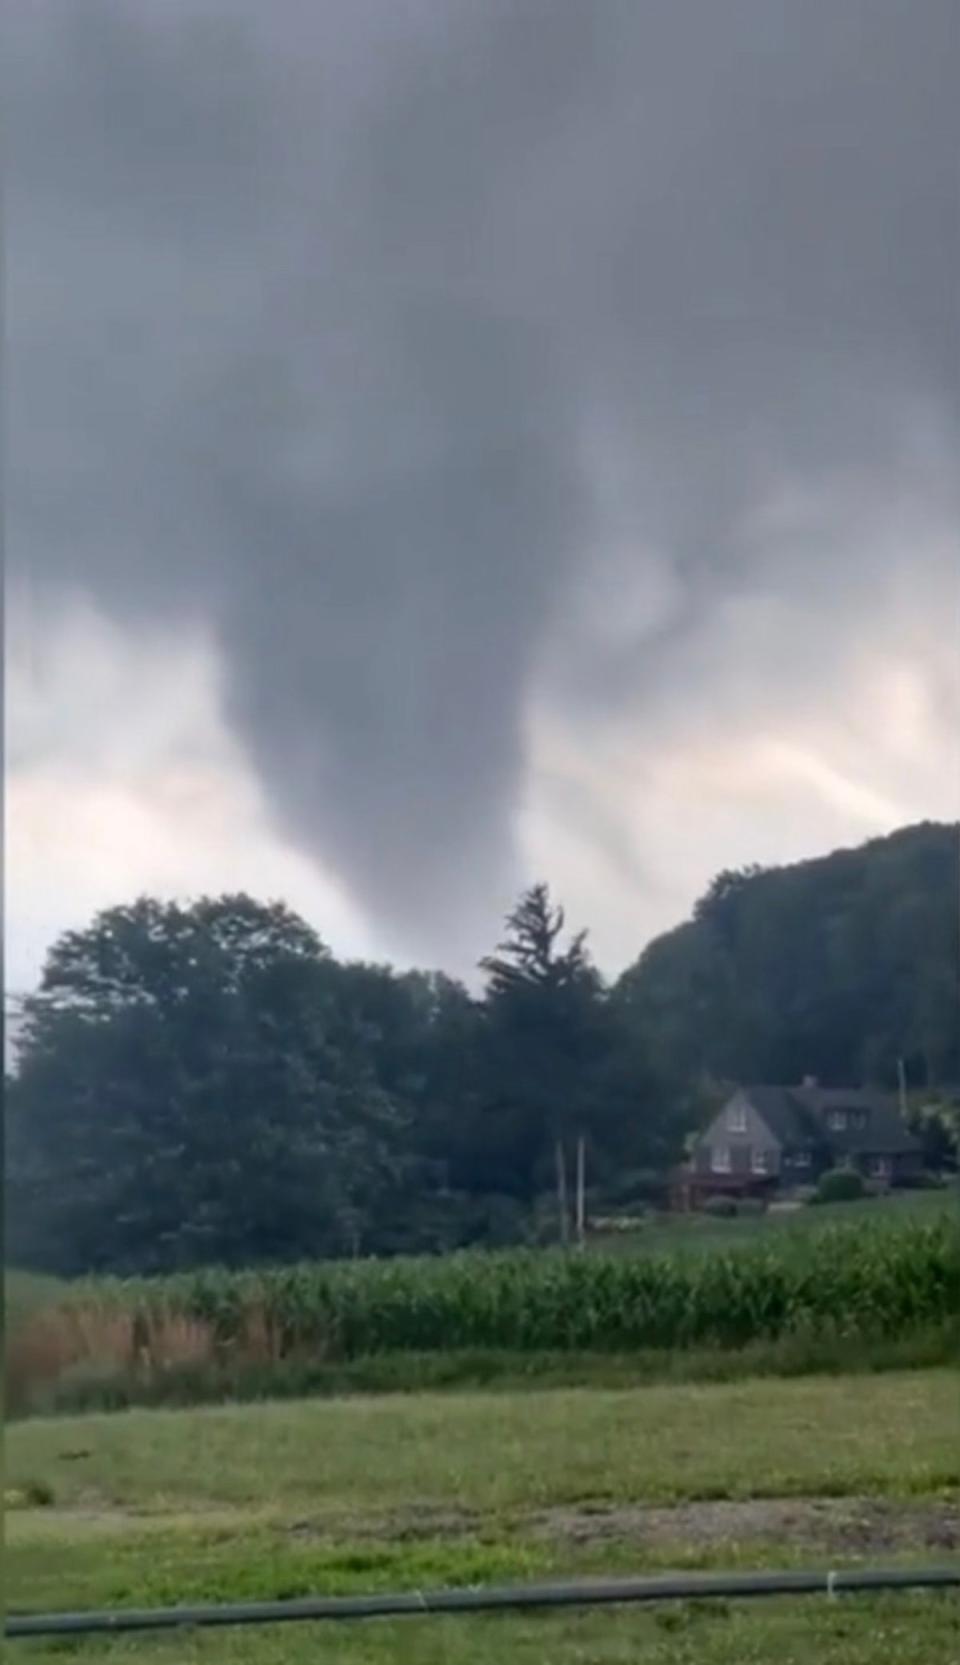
point(788, 1119)
point(885, 1131)
point(798, 1115)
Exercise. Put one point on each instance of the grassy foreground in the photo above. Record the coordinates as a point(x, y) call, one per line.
point(923, 1629)
point(279, 1500)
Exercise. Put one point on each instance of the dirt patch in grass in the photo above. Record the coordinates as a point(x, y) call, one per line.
point(847, 1526)
point(851, 1526)
point(856, 1525)
point(401, 1526)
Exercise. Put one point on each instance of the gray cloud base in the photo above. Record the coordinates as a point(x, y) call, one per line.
point(364, 334)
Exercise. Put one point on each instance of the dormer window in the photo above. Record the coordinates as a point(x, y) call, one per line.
point(737, 1118)
point(847, 1116)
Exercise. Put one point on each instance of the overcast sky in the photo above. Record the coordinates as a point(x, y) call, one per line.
point(454, 442)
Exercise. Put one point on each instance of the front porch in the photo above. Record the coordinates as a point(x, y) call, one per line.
point(690, 1188)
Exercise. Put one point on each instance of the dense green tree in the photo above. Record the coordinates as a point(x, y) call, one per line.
point(188, 1091)
point(837, 967)
point(421, 1031)
point(935, 1118)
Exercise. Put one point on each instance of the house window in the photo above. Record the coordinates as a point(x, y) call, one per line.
point(858, 1120)
point(837, 1121)
point(760, 1160)
point(720, 1159)
point(737, 1118)
point(801, 1159)
point(880, 1167)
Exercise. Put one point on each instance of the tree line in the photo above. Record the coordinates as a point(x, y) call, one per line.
point(207, 1083)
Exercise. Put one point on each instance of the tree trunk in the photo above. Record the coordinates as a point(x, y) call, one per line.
point(581, 1191)
point(562, 1203)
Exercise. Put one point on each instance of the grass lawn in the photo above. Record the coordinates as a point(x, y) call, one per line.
point(887, 1433)
point(921, 1630)
point(285, 1499)
point(666, 1233)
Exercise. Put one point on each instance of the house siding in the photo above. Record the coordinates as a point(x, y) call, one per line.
point(822, 1146)
point(756, 1135)
point(900, 1164)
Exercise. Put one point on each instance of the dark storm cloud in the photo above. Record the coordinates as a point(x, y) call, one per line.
point(320, 313)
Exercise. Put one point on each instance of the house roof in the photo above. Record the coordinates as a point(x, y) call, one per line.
point(798, 1115)
point(885, 1130)
point(786, 1117)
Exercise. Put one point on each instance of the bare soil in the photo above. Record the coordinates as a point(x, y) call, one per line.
point(851, 1524)
point(845, 1525)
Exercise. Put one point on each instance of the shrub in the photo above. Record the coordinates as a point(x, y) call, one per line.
point(40, 1494)
point(612, 1224)
point(839, 1185)
point(636, 1187)
point(33, 1494)
point(720, 1208)
point(751, 1207)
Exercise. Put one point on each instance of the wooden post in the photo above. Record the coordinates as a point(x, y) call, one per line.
point(902, 1086)
point(581, 1191)
point(562, 1203)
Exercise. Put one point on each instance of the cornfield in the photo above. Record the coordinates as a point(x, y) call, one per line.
point(854, 1283)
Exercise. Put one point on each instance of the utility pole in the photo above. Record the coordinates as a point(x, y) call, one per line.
point(902, 1085)
point(563, 1207)
point(581, 1191)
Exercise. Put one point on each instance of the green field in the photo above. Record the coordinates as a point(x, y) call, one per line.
point(921, 1629)
point(419, 1489)
point(285, 1499)
point(879, 1290)
point(668, 1233)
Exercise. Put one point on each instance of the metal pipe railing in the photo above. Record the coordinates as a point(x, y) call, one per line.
point(405, 1603)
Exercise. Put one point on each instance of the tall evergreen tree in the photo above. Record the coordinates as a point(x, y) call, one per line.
point(543, 1008)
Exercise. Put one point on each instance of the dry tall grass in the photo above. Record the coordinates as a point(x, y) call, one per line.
point(70, 1340)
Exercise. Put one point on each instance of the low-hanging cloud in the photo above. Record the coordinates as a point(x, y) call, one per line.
point(449, 361)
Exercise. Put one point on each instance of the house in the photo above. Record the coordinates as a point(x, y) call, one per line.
point(768, 1139)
